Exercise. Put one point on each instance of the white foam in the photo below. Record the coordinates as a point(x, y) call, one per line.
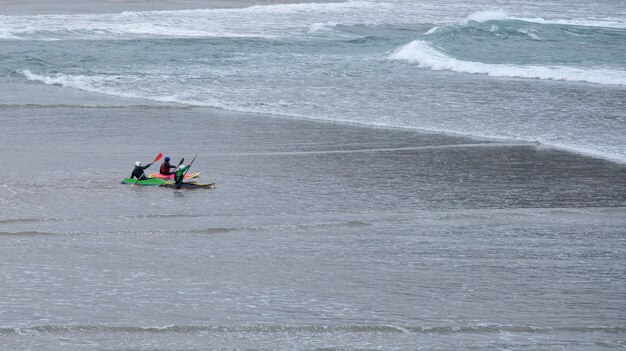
point(531, 34)
point(432, 30)
point(84, 83)
point(501, 15)
point(77, 82)
point(109, 86)
point(317, 27)
point(106, 85)
point(426, 56)
point(484, 16)
point(258, 21)
point(600, 23)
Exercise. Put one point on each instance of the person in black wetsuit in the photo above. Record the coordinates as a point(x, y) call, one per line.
point(138, 172)
point(166, 166)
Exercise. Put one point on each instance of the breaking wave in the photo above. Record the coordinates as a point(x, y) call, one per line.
point(501, 15)
point(267, 21)
point(427, 56)
point(317, 27)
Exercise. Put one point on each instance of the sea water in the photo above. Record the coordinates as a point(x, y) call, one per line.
point(340, 220)
point(552, 73)
point(318, 236)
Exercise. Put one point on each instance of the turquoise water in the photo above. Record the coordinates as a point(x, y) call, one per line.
point(553, 73)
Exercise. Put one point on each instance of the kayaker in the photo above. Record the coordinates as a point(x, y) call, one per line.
point(166, 166)
point(179, 173)
point(138, 172)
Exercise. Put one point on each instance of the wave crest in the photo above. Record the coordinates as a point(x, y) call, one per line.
point(316, 27)
point(484, 16)
point(426, 56)
point(501, 15)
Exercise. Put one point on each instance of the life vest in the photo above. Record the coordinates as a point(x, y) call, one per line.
point(165, 168)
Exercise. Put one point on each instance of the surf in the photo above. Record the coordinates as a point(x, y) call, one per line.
point(361, 62)
point(267, 21)
point(426, 56)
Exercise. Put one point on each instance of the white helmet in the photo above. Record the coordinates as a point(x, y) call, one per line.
point(138, 164)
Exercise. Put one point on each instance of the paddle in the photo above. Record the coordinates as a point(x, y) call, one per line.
point(194, 158)
point(179, 185)
point(158, 157)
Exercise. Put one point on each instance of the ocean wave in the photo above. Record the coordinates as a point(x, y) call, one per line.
point(80, 82)
point(599, 23)
point(264, 21)
point(426, 56)
point(497, 29)
point(97, 84)
point(484, 16)
point(437, 60)
point(267, 21)
point(317, 27)
point(501, 15)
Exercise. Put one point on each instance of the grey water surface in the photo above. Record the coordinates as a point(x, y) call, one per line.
point(318, 236)
point(391, 175)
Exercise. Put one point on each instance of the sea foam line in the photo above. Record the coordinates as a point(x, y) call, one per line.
point(501, 15)
point(426, 56)
point(394, 149)
point(86, 84)
point(267, 21)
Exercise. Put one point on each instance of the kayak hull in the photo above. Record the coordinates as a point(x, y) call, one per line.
point(189, 185)
point(149, 181)
point(171, 176)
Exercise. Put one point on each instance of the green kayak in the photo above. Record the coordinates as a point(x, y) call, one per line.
point(149, 181)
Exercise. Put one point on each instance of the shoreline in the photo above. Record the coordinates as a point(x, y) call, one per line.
point(47, 96)
point(69, 7)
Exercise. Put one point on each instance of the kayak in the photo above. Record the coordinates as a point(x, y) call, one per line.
point(190, 185)
point(149, 181)
point(171, 176)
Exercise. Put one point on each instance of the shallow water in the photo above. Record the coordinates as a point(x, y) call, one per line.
point(346, 233)
point(318, 236)
point(552, 72)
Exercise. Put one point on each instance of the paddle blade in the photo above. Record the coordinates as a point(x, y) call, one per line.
point(158, 157)
point(181, 161)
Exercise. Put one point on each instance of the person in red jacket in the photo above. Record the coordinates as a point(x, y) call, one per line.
point(166, 166)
